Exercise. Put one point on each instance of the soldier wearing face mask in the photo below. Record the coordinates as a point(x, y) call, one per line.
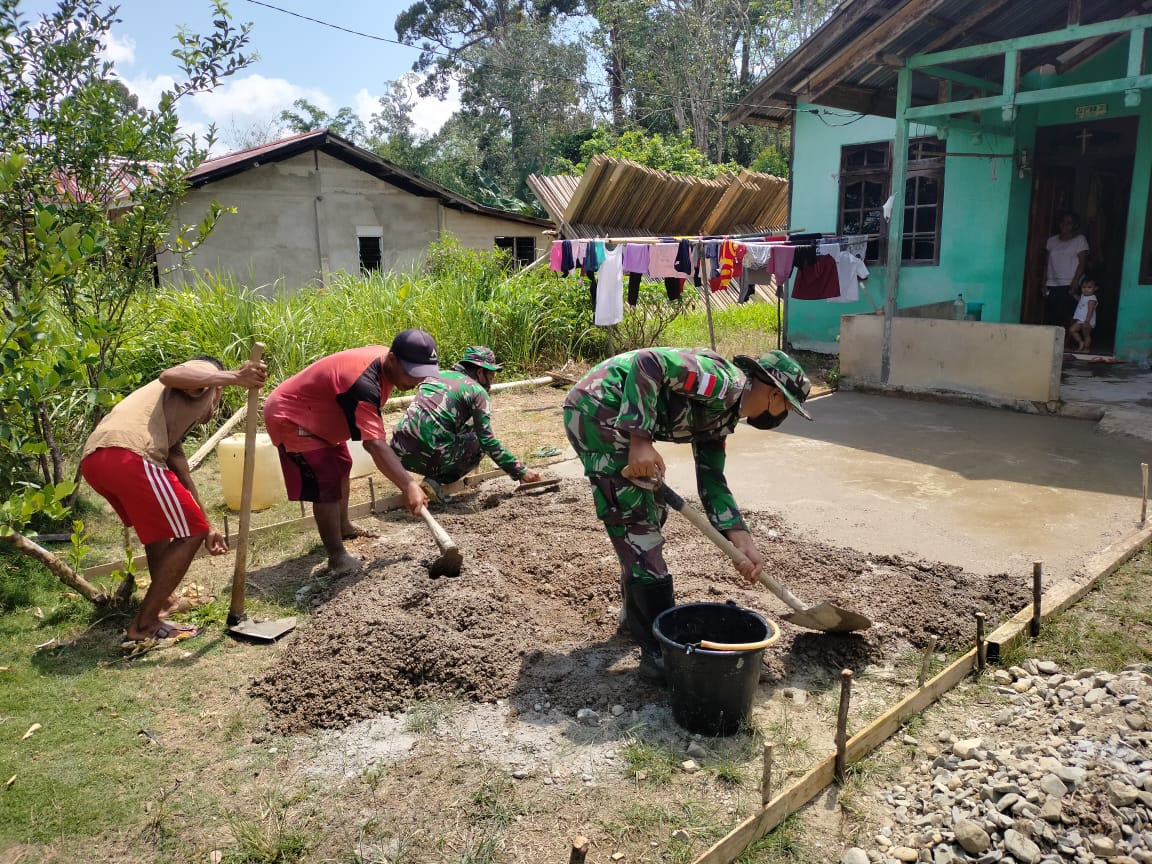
point(694, 396)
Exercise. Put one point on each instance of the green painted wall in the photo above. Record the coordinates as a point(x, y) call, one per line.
point(972, 241)
point(986, 209)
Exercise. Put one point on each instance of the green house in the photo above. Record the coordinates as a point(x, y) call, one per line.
point(979, 122)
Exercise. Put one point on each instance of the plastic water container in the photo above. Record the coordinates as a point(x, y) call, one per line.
point(362, 464)
point(267, 481)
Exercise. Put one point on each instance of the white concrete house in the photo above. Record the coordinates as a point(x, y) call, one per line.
point(316, 204)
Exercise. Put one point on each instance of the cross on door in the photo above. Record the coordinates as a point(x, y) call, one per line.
point(1084, 137)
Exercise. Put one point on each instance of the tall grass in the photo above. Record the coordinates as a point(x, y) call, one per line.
point(532, 320)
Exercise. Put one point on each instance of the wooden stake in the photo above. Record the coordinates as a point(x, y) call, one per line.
point(707, 293)
point(926, 661)
point(980, 650)
point(579, 850)
point(372, 495)
point(227, 533)
point(1037, 589)
point(766, 777)
point(302, 513)
point(842, 725)
point(1143, 492)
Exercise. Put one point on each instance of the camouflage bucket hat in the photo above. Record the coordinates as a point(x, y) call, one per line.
point(779, 369)
point(485, 358)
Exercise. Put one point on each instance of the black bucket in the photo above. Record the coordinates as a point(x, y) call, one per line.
point(711, 691)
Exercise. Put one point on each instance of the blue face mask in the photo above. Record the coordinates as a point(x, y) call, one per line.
point(767, 420)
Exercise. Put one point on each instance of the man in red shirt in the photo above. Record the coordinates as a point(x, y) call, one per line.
point(311, 416)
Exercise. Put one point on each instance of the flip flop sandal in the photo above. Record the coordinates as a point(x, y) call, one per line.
point(166, 636)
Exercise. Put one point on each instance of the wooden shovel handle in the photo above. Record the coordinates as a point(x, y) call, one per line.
point(726, 546)
point(438, 534)
point(239, 571)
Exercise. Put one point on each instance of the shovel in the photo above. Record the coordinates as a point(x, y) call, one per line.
point(448, 564)
point(239, 624)
point(825, 616)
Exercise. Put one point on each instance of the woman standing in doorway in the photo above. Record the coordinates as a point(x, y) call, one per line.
point(1067, 255)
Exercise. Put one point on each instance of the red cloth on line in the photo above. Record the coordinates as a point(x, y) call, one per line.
point(817, 281)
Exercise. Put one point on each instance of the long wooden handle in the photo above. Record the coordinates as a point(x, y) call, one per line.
point(726, 546)
point(239, 572)
point(438, 534)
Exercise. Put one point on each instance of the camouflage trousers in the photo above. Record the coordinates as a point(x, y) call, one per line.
point(632, 516)
point(442, 464)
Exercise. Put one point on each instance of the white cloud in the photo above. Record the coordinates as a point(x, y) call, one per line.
point(148, 90)
point(255, 99)
point(122, 52)
point(428, 115)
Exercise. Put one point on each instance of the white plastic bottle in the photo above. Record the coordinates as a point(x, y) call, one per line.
point(958, 308)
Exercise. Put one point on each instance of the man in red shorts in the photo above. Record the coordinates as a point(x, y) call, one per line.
point(311, 417)
point(135, 459)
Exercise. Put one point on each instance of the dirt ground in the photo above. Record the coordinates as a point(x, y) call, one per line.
point(532, 618)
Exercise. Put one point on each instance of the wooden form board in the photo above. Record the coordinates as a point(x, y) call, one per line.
point(1059, 597)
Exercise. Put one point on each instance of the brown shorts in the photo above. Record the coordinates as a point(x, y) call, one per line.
point(316, 475)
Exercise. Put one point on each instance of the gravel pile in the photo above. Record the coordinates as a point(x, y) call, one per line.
point(1063, 774)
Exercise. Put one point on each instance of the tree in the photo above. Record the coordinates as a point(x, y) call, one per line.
point(85, 204)
point(345, 123)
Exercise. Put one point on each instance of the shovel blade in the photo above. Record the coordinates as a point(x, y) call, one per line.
point(448, 564)
point(262, 631)
point(829, 619)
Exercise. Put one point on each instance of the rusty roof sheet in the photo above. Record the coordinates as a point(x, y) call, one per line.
point(620, 198)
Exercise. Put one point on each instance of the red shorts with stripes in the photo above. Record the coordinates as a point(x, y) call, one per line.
point(145, 496)
point(316, 475)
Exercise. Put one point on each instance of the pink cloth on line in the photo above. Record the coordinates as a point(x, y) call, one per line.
point(662, 261)
point(781, 262)
point(554, 254)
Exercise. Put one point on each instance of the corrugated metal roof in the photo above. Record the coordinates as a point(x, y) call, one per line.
point(340, 148)
point(621, 198)
point(850, 61)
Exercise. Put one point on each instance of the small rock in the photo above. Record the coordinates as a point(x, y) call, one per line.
point(798, 695)
point(905, 854)
point(1094, 695)
point(1006, 802)
point(588, 717)
point(972, 837)
point(616, 856)
point(854, 855)
point(681, 834)
point(1051, 809)
point(617, 710)
point(965, 747)
point(1053, 785)
point(696, 751)
point(1046, 667)
point(1121, 794)
point(882, 841)
point(1135, 721)
point(1101, 846)
point(689, 766)
point(908, 739)
point(1020, 847)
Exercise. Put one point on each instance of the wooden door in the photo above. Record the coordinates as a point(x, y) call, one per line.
point(1052, 189)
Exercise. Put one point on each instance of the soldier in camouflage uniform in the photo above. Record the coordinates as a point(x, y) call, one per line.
point(691, 396)
point(447, 428)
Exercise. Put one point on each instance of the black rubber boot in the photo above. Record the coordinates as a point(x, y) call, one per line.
point(643, 602)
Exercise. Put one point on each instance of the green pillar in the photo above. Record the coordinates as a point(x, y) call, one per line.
point(896, 224)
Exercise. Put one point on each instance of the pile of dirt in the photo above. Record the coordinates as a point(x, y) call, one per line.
point(532, 618)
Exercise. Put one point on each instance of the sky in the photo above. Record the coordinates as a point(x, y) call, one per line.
point(298, 59)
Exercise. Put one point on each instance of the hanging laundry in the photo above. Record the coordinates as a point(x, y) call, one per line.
point(684, 262)
point(662, 261)
point(780, 262)
point(849, 271)
point(816, 277)
point(609, 303)
point(856, 244)
point(730, 265)
point(635, 265)
point(555, 254)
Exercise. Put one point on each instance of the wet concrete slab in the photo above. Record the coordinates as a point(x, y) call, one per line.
point(985, 489)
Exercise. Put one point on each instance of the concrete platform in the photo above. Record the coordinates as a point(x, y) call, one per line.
point(985, 489)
